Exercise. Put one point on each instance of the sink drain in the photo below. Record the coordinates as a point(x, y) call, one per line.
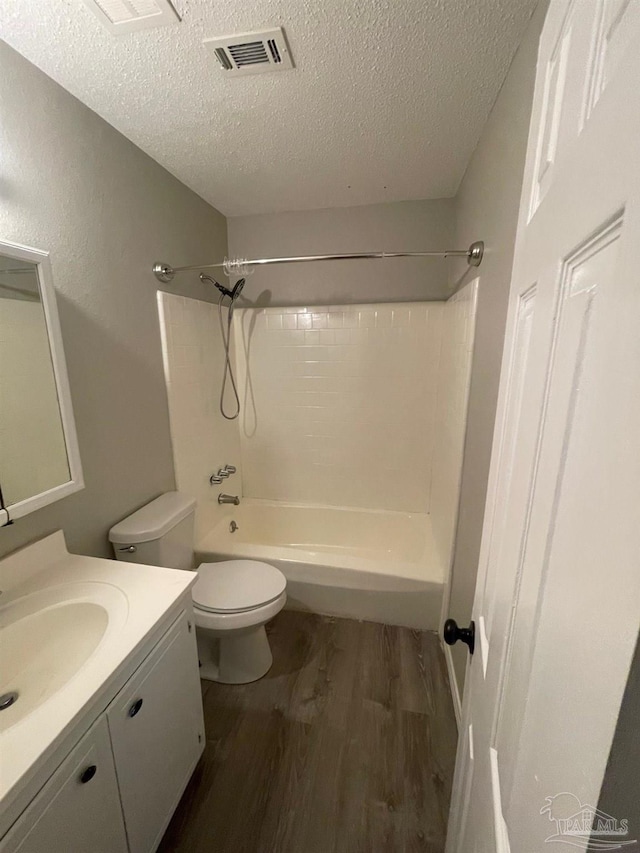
point(7, 700)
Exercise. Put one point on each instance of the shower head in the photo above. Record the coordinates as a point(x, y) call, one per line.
point(237, 289)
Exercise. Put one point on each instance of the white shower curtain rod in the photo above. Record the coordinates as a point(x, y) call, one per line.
point(239, 266)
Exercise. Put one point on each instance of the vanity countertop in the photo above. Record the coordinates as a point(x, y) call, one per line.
point(135, 602)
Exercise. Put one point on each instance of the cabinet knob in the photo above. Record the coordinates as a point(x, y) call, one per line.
point(133, 710)
point(88, 773)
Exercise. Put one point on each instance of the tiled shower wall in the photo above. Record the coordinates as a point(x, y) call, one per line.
point(458, 326)
point(339, 403)
point(348, 406)
point(193, 360)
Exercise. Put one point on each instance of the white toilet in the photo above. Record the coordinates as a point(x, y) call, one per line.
point(232, 600)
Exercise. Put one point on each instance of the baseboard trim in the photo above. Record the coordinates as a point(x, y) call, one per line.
point(453, 684)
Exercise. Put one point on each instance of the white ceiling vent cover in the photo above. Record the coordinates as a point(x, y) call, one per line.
point(126, 16)
point(252, 53)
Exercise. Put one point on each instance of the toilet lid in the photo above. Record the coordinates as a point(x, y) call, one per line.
point(236, 585)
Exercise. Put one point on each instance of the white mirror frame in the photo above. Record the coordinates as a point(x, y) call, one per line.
point(48, 297)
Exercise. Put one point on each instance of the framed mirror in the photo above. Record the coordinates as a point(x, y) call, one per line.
point(39, 457)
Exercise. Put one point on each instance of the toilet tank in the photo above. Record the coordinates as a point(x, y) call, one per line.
point(158, 534)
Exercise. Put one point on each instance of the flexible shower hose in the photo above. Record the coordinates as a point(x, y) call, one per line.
point(228, 370)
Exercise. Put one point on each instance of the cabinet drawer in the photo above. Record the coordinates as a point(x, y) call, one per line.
point(157, 735)
point(78, 810)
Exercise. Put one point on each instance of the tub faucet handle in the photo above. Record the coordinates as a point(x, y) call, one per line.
point(215, 480)
point(230, 468)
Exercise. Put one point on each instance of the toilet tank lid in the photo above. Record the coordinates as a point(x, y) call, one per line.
point(153, 520)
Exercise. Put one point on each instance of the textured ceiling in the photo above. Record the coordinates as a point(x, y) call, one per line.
point(387, 100)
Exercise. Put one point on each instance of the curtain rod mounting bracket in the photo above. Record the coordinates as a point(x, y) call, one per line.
point(163, 272)
point(475, 253)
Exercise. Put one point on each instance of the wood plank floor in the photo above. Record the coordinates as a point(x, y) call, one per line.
point(347, 745)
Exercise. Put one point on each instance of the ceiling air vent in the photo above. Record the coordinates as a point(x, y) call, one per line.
point(125, 16)
point(252, 53)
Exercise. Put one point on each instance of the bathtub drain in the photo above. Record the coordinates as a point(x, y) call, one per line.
point(233, 527)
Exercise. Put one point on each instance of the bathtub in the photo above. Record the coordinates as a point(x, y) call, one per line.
point(364, 564)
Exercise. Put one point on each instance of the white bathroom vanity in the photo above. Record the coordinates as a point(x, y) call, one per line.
point(106, 726)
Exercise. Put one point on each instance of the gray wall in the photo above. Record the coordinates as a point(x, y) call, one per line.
point(620, 793)
point(105, 211)
point(487, 209)
point(402, 226)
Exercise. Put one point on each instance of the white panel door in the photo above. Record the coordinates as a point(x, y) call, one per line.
point(557, 605)
point(78, 810)
point(157, 735)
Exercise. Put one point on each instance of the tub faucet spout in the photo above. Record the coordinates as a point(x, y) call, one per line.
point(229, 499)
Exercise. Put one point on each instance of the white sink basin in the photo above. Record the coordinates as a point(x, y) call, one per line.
point(47, 637)
point(71, 631)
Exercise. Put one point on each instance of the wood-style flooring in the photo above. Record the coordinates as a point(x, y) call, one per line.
point(347, 745)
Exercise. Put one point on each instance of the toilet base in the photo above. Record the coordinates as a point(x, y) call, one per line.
point(234, 657)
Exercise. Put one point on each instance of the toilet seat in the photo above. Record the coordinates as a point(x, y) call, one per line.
point(225, 624)
point(236, 586)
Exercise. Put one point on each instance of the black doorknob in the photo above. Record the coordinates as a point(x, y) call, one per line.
point(452, 634)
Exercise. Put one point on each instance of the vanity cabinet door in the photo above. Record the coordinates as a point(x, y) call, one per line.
point(78, 810)
point(157, 734)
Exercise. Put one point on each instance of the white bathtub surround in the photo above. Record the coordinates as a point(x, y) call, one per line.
point(376, 565)
point(202, 439)
point(350, 445)
point(338, 403)
point(458, 327)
